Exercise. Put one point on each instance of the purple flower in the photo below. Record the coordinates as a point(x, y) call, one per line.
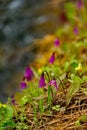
point(28, 73)
point(79, 4)
point(23, 85)
point(56, 42)
point(52, 58)
point(54, 83)
point(63, 17)
point(13, 100)
point(75, 31)
point(42, 81)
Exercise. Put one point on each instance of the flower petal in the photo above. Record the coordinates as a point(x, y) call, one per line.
point(75, 31)
point(42, 81)
point(52, 58)
point(28, 73)
point(56, 42)
point(23, 85)
point(79, 4)
point(54, 83)
point(13, 100)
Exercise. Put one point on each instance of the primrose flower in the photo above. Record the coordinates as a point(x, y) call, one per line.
point(23, 85)
point(28, 73)
point(52, 58)
point(42, 81)
point(79, 4)
point(13, 100)
point(76, 30)
point(56, 42)
point(54, 83)
point(63, 17)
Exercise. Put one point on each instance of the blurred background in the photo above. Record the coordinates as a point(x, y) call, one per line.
point(21, 22)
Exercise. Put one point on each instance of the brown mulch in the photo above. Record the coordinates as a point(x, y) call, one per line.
point(66, 119)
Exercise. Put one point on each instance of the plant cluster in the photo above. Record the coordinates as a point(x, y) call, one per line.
point(53, 88)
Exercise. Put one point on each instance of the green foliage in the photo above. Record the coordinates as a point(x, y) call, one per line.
point(6, 114)
point(69, 71)
point(81, 119)
point(84, 90)
point(53, 70)
point(56, 108)
point(74, 87)
point(77, 123)
point(70, 8)
point(20, 126)
point(31, 94)
point(84, 79)
point(49, 95)
point(41, 106)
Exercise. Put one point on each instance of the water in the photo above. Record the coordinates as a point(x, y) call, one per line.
point(21, 22)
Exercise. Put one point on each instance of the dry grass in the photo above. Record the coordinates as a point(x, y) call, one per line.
point(65, 119)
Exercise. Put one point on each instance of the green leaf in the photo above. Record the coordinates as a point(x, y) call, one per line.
point(83, 118)
point(75, 86)
point(77, 123)
point(24, 100)
point(9, 123)
point(70, 11)
point(49, 95)
point(84, 79)
point(57, 107)
point(66, 65)
point(85, 91)
point(6, 115)
point(74, 64)
point(41, 106)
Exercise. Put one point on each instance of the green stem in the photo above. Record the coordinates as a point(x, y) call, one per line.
point(47, 75)
point(49, 95)
point(62, 86)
